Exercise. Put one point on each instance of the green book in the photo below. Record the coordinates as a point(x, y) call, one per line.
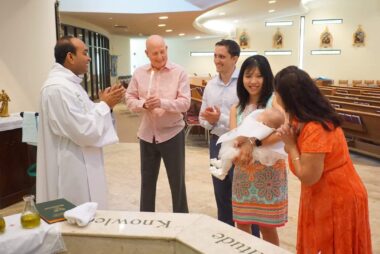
point(52, 211)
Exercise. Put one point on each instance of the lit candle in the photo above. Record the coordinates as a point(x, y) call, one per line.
point(150, 82)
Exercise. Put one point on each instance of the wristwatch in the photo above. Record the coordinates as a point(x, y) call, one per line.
point(258, 142)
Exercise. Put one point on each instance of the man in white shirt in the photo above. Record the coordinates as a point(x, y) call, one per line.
point(73, 130)
point(218, 97)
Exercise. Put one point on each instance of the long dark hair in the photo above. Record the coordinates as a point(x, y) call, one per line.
point(252, 62)
point(303, 99)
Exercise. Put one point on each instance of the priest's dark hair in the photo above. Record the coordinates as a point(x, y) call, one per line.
point(63, 46)
point(232, 47)
point(251, 64)
point(302, 98)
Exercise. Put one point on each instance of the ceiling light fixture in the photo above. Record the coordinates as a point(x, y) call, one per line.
point(222, 13)
point(248, 53)
point(326, 21)
point(169, 30)
point(181, 34)
point(236, 21)
point(197, 37)
point(271, 11)
point(110, 18)
point(326, 52)
point(278, 53)
point(163, 17)
point(272, 2)
point(279, 23)
point(161, 25)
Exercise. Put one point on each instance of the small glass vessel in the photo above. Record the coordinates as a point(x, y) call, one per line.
point(2, 224)
point(30, 218)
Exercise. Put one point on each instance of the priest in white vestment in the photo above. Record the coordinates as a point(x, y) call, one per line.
point(73, 130)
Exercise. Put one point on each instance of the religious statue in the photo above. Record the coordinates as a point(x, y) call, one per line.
point(4, 99)
point(278, 39)
point(326, 39)
point(243, 40)
point(359, 37)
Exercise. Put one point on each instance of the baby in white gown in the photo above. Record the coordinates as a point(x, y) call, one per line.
point(259, 124)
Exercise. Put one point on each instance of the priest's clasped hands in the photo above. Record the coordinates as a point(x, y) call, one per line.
point(112, 95)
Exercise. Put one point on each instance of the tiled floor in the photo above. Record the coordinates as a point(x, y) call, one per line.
point(122, 167)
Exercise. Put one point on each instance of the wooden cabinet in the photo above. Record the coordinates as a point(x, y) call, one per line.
point(15, 158)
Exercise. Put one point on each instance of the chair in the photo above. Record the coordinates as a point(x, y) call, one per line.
point(357, 82)
point(192, 119)
point(369, 82)
point(343, 82)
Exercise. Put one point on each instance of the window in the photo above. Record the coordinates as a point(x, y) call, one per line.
point(98, 75)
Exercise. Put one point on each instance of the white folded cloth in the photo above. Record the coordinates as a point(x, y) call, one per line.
point(29, 128)
point(82, 214)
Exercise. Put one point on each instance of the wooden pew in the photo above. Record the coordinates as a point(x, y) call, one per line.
point(362, 131)
point(327, 92)
point(353, 100)
point(358, 96)
point(355, 106)
point(352, 90)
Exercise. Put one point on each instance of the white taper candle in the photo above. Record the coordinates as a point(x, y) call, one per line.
point(150, 82)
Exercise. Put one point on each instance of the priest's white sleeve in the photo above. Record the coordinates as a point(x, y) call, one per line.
point(79, 119)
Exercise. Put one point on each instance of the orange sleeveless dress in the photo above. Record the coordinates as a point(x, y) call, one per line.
point(333, 213)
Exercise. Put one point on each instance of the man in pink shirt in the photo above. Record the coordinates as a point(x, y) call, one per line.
point(161, 92)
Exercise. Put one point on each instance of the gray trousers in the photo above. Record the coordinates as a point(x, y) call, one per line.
point(173, 154)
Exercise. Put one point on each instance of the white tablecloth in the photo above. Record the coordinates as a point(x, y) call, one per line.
point(45, 239)
point(14, 121)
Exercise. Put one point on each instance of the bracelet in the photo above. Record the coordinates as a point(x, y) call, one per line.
point(296, 159)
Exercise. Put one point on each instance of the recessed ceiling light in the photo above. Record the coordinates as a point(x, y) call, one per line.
point(169, 30)
point(197, 37)
point(236, 21)
point(163, 17)
point(272, 1)
point(120, 26)
point(181, 34)
point(161, 25)
point(270, 11)
point(222, 13)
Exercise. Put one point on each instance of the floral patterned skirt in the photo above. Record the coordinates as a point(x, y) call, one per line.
point(260, 194)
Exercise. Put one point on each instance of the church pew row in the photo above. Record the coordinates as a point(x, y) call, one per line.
point(355, 106)
point(372, 97)
point(353, 90)
point(329, 90)
point(353, 100)
point(358, 96)
point(361, 130)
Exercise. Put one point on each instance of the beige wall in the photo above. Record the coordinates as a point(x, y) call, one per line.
point(120, 46)
point(353, 63)
point(26, 53)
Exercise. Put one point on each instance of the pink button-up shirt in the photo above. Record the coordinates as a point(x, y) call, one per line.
point(172, 86)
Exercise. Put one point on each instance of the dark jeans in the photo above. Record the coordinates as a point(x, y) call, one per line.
point(173, 154)
point(223, 191)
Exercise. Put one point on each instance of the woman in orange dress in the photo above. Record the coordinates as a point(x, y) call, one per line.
point(333, 212)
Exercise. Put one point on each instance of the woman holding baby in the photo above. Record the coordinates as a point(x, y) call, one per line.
point(259, 192)
point(333, 211)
